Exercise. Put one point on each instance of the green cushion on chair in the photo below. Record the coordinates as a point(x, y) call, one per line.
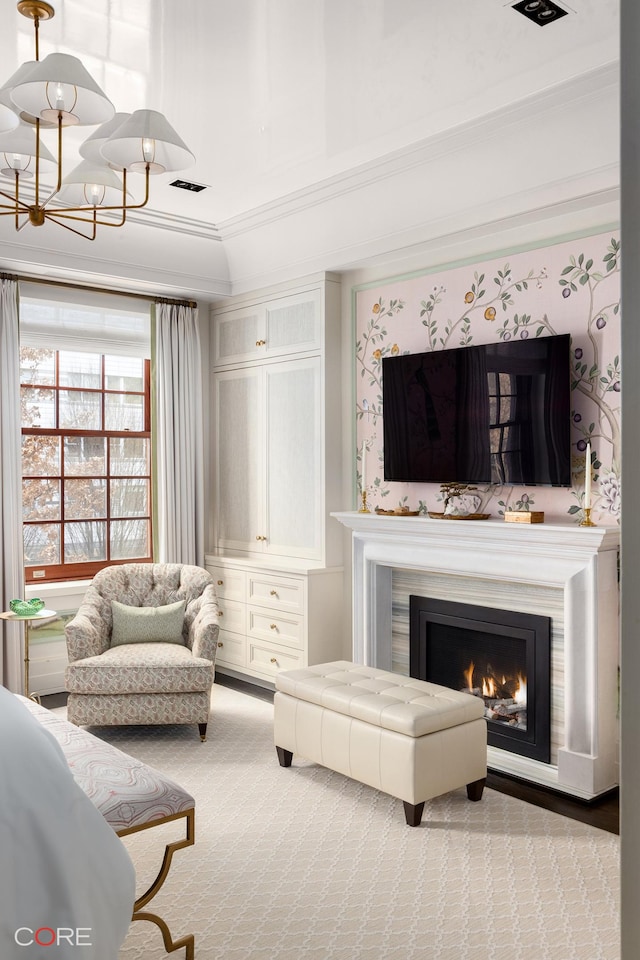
point(147, 624)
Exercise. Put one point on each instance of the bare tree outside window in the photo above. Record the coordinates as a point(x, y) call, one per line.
point(86, 461)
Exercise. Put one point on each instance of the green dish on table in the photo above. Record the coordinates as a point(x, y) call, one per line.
point(26, 608)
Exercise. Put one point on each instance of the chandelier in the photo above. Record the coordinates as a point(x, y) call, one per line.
point(58, 92)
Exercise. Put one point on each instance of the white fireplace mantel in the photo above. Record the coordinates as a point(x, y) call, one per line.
point(579, 561)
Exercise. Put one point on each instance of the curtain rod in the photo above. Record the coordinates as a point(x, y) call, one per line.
point(93, 289)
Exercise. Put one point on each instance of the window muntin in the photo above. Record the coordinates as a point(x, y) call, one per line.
point(86, 461)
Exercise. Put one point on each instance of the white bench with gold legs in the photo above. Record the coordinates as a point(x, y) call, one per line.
point(131, 796)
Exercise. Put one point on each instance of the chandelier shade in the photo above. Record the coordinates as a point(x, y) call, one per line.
point(91, 184)
point(5, 90)
point(91, 147)
point(60, 85)
point(18, 152)
point(8, 119)
point(147, 141)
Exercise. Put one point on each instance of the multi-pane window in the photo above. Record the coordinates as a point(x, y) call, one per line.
point(86, 461)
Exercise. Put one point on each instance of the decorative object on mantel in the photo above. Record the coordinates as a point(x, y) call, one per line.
point(524, 516)
point(459, 516)
point(458, 501)
point(363, 479)
point(587, 521)
point(59, 92)
point(398, 512)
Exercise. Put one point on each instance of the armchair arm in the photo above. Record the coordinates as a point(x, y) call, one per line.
point(205, 626)
point(88, 634)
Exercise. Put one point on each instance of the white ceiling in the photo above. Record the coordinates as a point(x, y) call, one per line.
point(294, 105)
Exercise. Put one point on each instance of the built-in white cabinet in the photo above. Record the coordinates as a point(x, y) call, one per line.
point(276, 618)
point(269, 328)
point(276, 418)
point(268, 458)
point(276, 553)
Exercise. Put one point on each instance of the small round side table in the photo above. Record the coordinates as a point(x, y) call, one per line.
point(40, 615)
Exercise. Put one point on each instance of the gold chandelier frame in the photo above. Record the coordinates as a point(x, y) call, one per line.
point(36, 210)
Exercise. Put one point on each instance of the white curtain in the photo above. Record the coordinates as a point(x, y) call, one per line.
point(11, 547)
point(178, 435)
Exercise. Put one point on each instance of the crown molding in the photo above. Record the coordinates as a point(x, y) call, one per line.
point(597, 82)
point(529, 218)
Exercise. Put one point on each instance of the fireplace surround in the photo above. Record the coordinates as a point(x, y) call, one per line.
point(576, 564)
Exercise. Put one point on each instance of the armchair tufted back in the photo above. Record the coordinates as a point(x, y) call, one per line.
point(151, 585)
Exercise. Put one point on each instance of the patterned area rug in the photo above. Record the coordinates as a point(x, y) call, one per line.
point(304, 864)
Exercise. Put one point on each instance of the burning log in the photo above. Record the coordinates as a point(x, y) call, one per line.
point(498, 687)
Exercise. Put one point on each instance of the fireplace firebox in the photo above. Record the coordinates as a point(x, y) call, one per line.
point(502, 656)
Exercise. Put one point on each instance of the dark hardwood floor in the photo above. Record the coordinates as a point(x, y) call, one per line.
point(602, 813)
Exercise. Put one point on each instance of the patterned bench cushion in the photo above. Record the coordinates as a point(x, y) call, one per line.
point(141, 668)
point(127, 792)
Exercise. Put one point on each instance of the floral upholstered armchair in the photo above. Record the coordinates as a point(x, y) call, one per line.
point(142, 647)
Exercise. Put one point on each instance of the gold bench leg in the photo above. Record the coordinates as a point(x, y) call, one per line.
point(170, 945)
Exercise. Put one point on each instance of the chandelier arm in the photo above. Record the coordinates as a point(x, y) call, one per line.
point(24, 207)
point(124, 206)
point(37, 183)
point(59, 215)
point(59, 183)
point(78, 233)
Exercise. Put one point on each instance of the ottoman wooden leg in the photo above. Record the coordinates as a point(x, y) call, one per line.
point(413, 813)
point(284, 756)
point(474, 790)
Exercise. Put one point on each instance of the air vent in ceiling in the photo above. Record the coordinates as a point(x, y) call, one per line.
point(540, 11)
point(187, 185)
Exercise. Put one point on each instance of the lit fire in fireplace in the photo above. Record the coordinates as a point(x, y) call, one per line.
point(505, 698)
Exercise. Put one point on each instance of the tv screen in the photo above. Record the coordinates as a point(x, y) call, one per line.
point(496, 413)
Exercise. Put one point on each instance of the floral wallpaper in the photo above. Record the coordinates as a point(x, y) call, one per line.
point(571, 287)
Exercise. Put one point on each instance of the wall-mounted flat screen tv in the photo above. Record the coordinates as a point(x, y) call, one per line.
point(496, 413)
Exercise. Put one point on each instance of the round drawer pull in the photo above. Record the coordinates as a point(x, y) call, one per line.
point(220, 583)
point(274, 593)
point(274, 626)
point(273, 660)
point(258, 537)
point(220, 613)
point(220, 643)
point(260, 343)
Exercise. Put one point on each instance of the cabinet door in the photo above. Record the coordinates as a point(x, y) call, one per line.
point(285, 325)
point(294, 465)
point(239, 467)
point(292, 324)
point(239, 335)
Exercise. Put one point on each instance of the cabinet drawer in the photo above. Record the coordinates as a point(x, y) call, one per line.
point(276, 627)
point(231, 649)
point(281, 593)
point(233, 616)
point(228, 583)
point(269, 658)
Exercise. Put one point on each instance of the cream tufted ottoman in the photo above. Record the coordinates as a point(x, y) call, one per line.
point(411, 739)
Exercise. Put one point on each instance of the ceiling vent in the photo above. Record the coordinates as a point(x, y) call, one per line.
point(540, 11)
point(187, 185)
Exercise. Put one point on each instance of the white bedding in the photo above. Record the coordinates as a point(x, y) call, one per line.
point(65, 877)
